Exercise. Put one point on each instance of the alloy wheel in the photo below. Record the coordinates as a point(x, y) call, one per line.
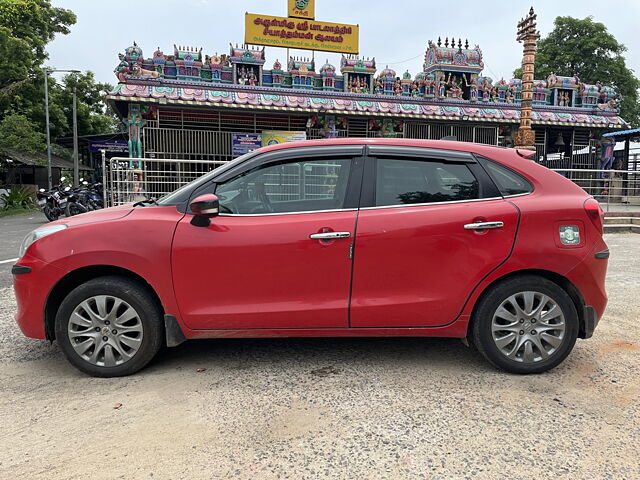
point(528, 327)
point(104, 330)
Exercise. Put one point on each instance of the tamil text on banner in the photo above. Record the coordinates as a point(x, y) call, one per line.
point(273, 137)
point(242, 143)
point(302, 34)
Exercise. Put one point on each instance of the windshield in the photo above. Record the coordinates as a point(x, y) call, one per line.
point(171, 198)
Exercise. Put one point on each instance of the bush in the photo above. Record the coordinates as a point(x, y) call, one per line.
point(18, 197)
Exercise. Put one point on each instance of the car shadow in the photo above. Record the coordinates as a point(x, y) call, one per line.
point(314, 353)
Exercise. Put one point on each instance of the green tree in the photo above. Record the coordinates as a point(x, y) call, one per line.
point(26, 27)
point(17, 132)
point(586, 48)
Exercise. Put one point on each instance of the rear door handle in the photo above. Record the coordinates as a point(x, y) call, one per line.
point(329, 235)
point(483, 225)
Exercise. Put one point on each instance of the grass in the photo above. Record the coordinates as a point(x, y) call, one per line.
point(17, 211)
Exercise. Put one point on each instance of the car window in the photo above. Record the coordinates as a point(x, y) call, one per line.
point(507, 181)
point(400, 181)
point(294, 186)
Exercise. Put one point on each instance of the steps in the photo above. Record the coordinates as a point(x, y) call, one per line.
point(622, 222)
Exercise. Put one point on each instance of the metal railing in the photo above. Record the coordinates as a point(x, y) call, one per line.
point(609, 187)
point(131, 179)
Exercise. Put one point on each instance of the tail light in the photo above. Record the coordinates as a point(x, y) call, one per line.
point(595, 213)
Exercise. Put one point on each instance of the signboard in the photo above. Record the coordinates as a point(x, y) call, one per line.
point(115, 146)
point(242, 143)
point(301, 34)
point(302, 9)
point(273, 137)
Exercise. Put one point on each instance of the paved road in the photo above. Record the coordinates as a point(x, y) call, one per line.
point(330, 408)
point(12, 231)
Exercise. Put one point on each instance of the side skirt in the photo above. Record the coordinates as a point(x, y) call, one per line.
point(457, 329)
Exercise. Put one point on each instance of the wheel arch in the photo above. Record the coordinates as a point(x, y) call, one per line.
point(561, 281)
point(79, 276)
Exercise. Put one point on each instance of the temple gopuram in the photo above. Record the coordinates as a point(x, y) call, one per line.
point(187, 104)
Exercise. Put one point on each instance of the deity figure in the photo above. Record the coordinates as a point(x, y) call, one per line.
point(135, 122)
point(377, 86)
point(252, 78)
point(442, 88)
point(415, 89)
point(495, 95)
point(552, 80)
point(473, 88)
point(454, 89)
point(509, 96)
point(397, 87)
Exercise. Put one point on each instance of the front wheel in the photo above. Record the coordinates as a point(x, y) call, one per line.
point(525, 325)
point(109, 327)
point(49, 213)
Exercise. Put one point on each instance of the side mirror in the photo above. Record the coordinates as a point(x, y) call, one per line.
point(62, 179)
point(85, 183)
point(204, 207)
point(66, 189)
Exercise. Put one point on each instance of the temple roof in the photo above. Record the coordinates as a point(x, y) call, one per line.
point(452, 58)
point(234, 96)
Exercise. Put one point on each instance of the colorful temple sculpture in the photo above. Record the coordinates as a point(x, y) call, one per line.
point(221, 94)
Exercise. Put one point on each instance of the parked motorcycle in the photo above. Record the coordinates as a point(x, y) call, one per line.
point(85, 198)
point(53, 202)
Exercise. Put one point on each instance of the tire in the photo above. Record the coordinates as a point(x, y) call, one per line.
point(513, 325)
point(95, 311)
point(49, 213)
point(74, 208)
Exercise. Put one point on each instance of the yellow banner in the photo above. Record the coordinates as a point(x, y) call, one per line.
point(302, 9)
point(273, 137)
point(303, 34)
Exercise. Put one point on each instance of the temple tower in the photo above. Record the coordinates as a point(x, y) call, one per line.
point(528, 35)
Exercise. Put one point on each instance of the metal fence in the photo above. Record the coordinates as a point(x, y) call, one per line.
point(609, 187)
point(132, 179)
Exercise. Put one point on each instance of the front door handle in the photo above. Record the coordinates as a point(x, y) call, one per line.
point(483, 225)
point(329, 235)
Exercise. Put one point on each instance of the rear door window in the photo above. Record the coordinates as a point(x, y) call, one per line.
point(414, 181)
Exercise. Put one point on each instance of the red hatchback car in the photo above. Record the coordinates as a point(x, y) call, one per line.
point(348, 237)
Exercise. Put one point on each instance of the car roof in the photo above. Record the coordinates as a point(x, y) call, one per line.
point(401, 142)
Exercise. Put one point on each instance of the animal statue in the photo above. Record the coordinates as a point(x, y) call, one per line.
point(138, 71)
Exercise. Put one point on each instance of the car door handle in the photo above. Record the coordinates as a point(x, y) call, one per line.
point(483, 225)
point(329, 235)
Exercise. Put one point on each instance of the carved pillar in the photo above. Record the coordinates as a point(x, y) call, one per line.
point(528, 35)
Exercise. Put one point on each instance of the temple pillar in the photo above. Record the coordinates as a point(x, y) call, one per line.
point(525, 137)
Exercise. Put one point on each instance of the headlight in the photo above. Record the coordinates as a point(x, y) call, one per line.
point(37, 234)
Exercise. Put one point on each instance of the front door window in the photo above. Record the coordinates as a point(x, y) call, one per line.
point(298, 186)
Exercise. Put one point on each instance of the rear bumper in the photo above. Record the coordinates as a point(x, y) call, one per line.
point(33, 279)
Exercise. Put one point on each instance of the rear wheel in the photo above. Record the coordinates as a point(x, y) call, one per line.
point(74, 208)
point(109, 327)
point(525, 325)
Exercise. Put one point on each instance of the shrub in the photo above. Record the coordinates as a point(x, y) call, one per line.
point(18, 197)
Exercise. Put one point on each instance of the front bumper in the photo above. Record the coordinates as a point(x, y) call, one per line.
point(33, 279)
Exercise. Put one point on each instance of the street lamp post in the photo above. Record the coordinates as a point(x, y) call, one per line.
point(76, 167)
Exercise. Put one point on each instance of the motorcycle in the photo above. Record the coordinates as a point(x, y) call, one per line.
point(84, 198)
point(53, 203)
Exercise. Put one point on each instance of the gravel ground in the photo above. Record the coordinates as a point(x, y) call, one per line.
point(330, 408)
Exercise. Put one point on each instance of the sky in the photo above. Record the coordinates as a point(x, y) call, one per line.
point(396, 37)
